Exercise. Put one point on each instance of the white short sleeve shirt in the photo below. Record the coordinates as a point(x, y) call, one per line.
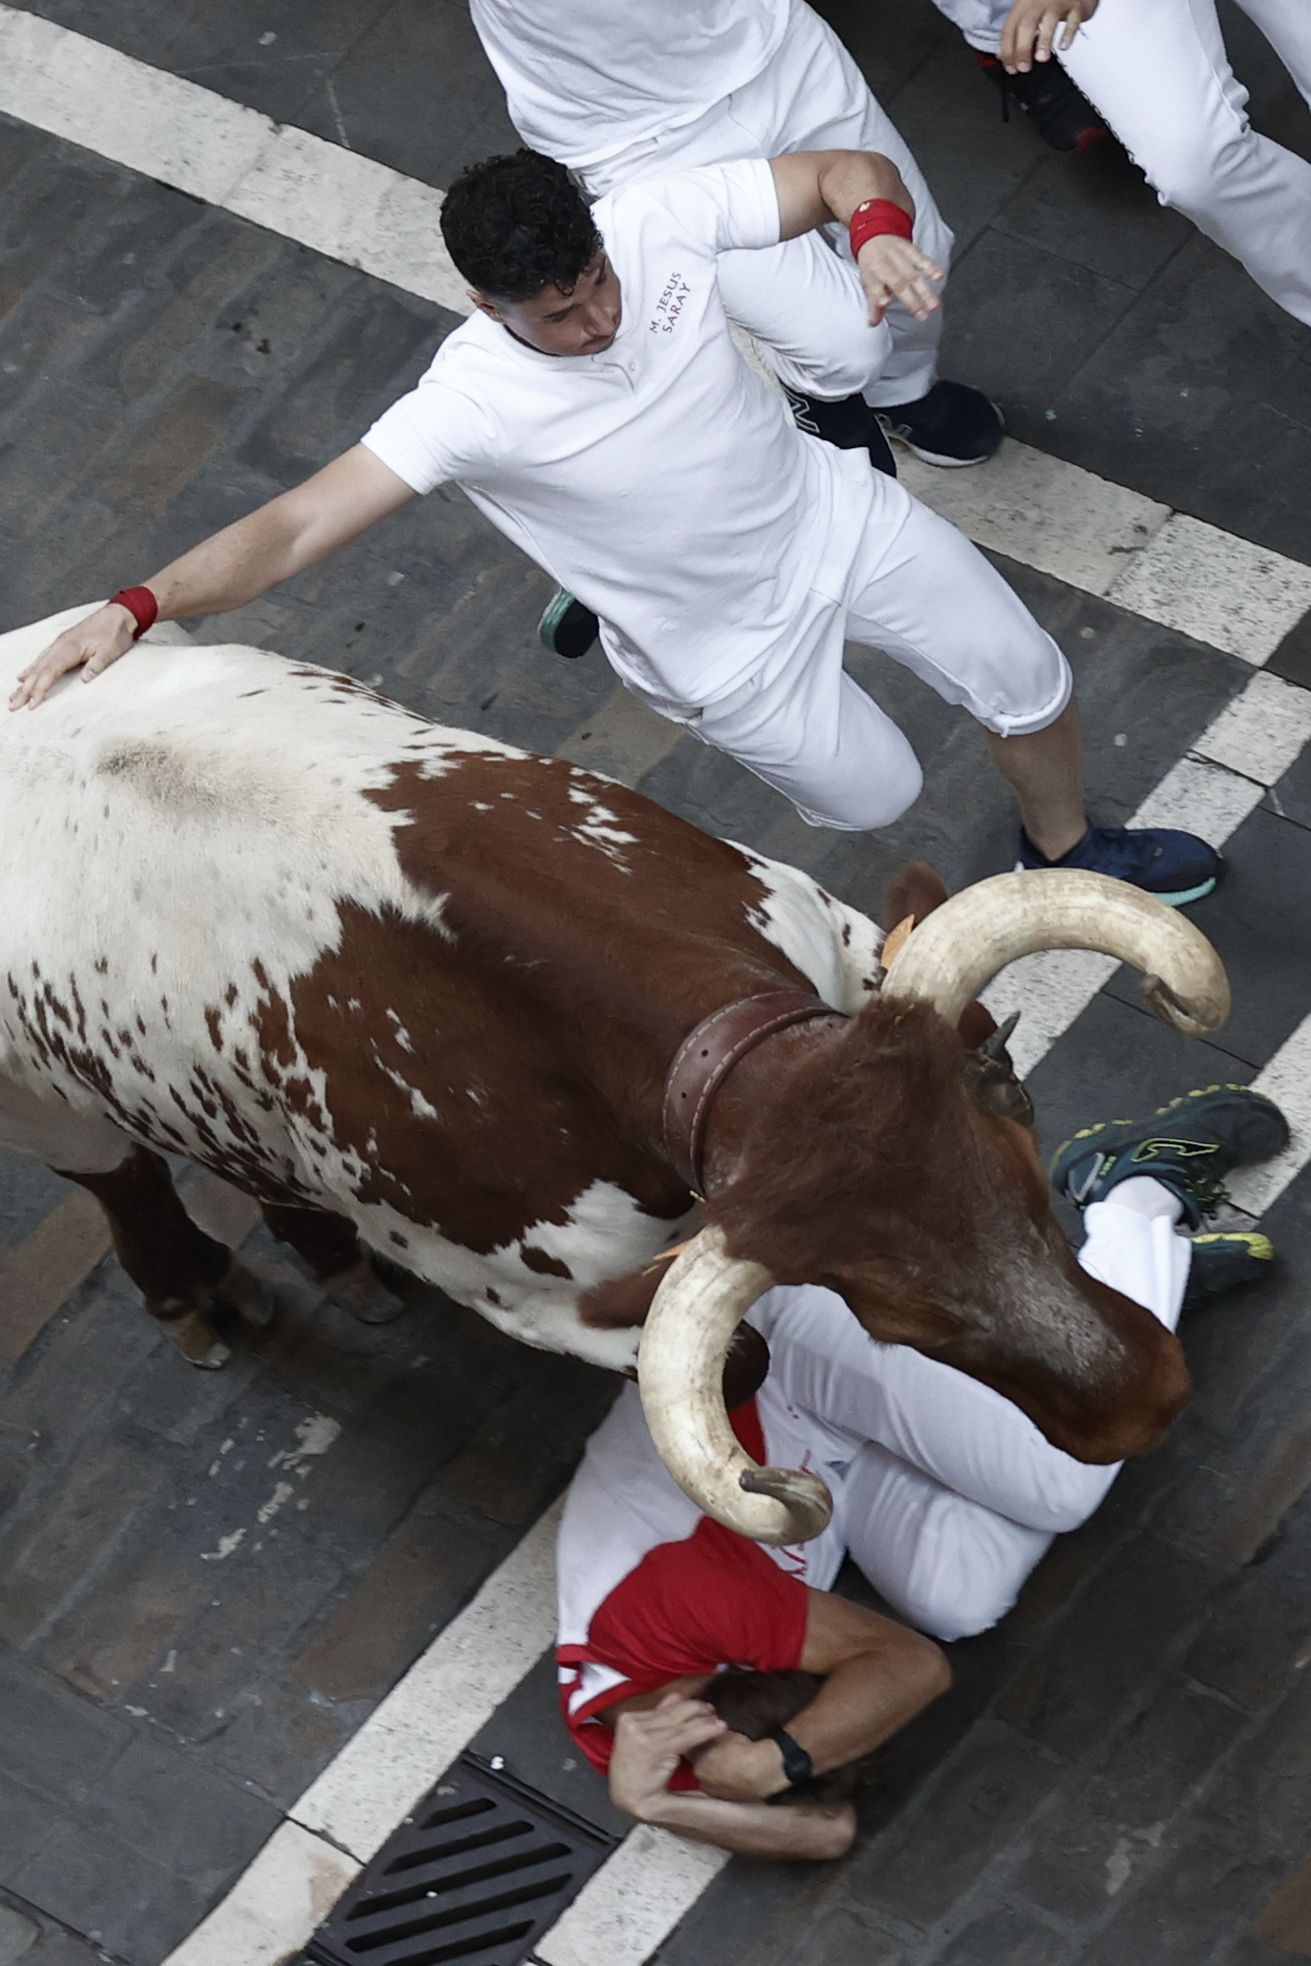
point(662, 481)
point(586, 79)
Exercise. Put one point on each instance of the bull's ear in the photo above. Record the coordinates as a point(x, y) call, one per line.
point(993, 1085)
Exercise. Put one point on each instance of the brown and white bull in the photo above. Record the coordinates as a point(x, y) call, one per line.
point(482, 1010)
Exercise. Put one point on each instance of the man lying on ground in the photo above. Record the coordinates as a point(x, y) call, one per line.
point(945, 1497)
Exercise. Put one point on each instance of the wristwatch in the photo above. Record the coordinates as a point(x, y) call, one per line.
point(797, 1764)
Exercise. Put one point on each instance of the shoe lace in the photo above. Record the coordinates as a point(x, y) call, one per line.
point(1210, 1194)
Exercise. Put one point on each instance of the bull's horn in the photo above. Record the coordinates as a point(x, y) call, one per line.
point(689, 1328)
point(972, 937)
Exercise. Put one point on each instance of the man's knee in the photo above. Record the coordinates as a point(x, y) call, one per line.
point(881, 796)
point(846, 354)
point(1191, 172)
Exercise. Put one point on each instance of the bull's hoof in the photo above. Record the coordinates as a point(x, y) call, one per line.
point(361, 1293)
point(197, 1340)
point(242, 1291)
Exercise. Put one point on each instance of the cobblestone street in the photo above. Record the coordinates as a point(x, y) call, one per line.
point(210, 1582)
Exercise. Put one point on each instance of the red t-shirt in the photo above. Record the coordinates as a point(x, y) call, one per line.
point(710, 1600)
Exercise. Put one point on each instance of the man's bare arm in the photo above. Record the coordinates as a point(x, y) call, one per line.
point(270, 545)
point(649, 1743)
point(817, 187)
point(787, 1831)
point(821, 187)
point(877, 1676)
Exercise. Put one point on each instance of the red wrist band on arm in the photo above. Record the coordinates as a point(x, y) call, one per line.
point(875, 217)
point(140, 604)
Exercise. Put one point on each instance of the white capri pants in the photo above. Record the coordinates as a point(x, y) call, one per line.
point(919, 591)
point(803, 300)
point(956, 1494)
point(1158, 73)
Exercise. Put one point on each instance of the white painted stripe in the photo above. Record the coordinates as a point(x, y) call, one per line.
point(1216, 588)
point(441, 1703)
point(275, 1905)
point(633, 1902)
point(1043, 513)
point(341, 204)
point(1286, 1080)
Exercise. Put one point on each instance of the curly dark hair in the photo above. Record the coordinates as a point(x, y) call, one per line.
point(514, 225)
point(755, 1703)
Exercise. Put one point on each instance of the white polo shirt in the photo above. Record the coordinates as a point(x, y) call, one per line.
point(586, 79)
point(662, 481)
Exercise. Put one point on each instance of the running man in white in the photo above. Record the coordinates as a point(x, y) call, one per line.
point(1158, 74)
point(945, 1496)
point(622, 92)
point(595, 408)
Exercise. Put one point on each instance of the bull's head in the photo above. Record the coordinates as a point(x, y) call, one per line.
point(911, 1186)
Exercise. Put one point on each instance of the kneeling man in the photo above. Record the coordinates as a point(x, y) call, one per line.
point(945, 1496)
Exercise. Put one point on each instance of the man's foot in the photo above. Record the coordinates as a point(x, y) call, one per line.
point(1176, 867)
point(1063, 118)
point(848, 424)
point(567, 627)
point(951, 425)
point(1225, 1259)
point(1189, 1145)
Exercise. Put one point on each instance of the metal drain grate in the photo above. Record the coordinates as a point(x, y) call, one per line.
point(474, 1877)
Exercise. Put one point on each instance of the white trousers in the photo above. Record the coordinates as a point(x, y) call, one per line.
point(1158, 74)
point(803, 300)
point(921, 593)
point(956, 1495)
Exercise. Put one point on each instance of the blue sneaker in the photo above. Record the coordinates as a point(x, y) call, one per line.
point(1224, 1260)
point(1189, 1145)
point(951, 425)
point(1175, 867)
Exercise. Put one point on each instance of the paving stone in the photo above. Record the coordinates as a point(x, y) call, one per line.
point(382, 341)
point(1023, 325)
point(846, 1938)
point(56, 1743)
point(1291, 797)
point(1169, 401)
point(986, 1792)
point(760, 1913)
point(1100, 1665)
point(1012, 1936)
point(379, 100)
point(1262, 1793)
point(26, 1822)
point(1201, 1885)
point(1286, 1921)
point(1102, 214)
point(40, 1273)
point(429, 1568)
point(230, 49)
point(116, 1897)
point(1086, 1849)
point(523, 1456)
point(18, 1935)
point(174, 443)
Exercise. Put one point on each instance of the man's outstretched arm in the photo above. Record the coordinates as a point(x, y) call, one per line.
point(823, 187)
point(270, 545)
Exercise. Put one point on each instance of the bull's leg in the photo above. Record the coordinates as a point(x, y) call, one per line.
point(328, 1244)
point(183, 1274)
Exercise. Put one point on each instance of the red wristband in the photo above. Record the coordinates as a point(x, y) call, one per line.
point(875, 217)
point(140, 604)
